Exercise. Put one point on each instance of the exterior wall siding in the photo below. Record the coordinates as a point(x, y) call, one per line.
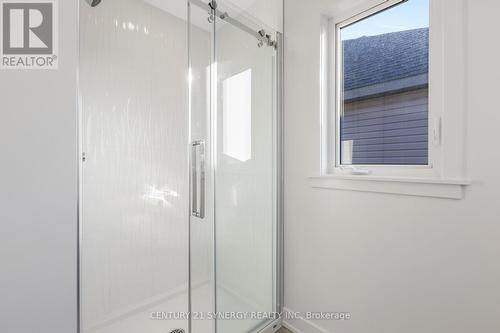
point(391, 129)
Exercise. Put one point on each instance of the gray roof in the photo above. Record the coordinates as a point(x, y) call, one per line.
point(372, 61)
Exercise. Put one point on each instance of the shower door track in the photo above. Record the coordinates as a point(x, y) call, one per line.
point(262, 36)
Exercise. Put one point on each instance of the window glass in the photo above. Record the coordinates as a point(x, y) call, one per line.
point(384, 117)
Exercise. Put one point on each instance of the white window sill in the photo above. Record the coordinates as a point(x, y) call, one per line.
point(421, 187)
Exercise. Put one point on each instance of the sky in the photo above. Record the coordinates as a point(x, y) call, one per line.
point(409, 15)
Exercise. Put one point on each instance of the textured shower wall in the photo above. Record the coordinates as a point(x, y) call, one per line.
point(135, 135)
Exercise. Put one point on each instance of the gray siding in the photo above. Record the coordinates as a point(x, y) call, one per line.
point(391, 129)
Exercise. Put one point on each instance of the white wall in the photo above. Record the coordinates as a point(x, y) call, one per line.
point(38, 192)
point(398, 264)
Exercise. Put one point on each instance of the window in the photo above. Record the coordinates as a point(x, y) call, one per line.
point(393, 105)
point(382, 112)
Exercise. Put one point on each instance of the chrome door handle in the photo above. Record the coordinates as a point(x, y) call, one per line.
point(198, 161)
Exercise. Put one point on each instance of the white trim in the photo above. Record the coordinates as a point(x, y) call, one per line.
point(421, 187)
point(335, 166)
point(374, 9)
point(447, 107)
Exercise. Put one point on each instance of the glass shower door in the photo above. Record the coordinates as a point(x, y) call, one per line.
point(233, 109)
point(201, 72)
point(178, 203)
point(245, 171)
point(134, 247)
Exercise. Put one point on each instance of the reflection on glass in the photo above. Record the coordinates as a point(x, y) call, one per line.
point(238, 116)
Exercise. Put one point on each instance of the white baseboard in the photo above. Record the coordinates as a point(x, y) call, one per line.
point(301, 325)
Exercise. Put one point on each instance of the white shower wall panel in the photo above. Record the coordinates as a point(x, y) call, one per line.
point(135, 194)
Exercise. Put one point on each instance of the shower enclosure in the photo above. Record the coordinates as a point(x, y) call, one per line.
point(180, 174)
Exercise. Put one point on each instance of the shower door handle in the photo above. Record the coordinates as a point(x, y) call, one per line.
point(198, 179)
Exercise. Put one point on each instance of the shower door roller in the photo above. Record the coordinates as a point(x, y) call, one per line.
point(198, 179)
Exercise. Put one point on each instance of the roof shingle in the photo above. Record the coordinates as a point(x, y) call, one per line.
point(382, 58)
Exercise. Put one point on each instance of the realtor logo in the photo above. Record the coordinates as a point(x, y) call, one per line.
point(29, 34)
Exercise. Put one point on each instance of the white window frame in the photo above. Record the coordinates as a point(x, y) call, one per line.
point(446, 165)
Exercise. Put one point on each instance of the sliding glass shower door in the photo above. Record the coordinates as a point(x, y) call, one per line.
point(134, 237)
point(245, 170)
point(202, 260)
point(234, 167)
point(179, 172)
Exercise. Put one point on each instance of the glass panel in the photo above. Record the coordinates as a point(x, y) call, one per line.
point(385, 87)
point(135, 191)
point(202, 228)
point(245, 173)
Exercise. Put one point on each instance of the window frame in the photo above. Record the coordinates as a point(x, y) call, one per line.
point(448, 176)
point(336, 104)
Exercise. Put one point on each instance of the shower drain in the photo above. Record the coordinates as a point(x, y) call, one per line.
point(179, 330)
